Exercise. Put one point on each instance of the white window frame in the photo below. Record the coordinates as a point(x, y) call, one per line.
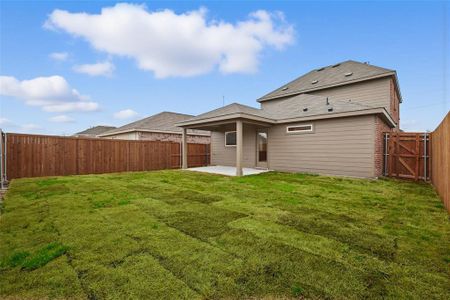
point(225, 136)
point(300, 131)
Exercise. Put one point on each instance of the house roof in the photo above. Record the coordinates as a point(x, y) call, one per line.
point(94, 131)
point(330, 76)
point(233, 110)
point(163, 122)
point(299, 107)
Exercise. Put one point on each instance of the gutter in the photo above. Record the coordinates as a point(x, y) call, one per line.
point(226, 117)
point(379, 110)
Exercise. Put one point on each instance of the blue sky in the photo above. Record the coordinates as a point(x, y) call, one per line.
point(196, 53)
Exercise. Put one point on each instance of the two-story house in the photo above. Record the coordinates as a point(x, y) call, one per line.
point(328, 121)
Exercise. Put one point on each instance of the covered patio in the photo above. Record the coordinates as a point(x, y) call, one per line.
point(239, 139)
point(227, 170)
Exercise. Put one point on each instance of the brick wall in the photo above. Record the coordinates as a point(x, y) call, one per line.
point(172, 137)
point(395, 105)
point(380, 128)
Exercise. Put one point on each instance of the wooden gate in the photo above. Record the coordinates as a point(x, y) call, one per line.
point(407, 155)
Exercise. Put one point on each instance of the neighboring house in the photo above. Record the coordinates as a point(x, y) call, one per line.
point(328, 121)
point(159, 127)
point(93, 131)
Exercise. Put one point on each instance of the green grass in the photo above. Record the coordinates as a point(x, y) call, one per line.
point(186, 235)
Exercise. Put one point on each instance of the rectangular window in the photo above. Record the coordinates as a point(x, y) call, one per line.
point(230, 138)
point(299, 128)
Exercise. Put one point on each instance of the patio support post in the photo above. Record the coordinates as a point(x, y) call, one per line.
point(184, 146)
point(239, 142)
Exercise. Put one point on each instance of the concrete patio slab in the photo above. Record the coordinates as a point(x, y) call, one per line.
point(226, 170)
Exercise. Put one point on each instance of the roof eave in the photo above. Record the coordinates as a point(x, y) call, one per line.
point(226, 117)
point(379, 110)
point(397, 87)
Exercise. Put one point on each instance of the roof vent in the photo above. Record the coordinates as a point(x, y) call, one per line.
point(314, 81)
point(336, 65)
point(348, 74)
point(330, 109)
point(305, 109)
point(285, 88)
point(318, 70)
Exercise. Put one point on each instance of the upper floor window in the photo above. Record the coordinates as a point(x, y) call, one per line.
point(301, 128)
point(230, 138)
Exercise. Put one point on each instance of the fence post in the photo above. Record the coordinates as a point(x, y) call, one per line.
point(416, 175)
point(6, 157)
point(425, 156)
point(1, 159)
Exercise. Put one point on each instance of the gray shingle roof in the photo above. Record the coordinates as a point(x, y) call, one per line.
point(94, 131)
point(328, 76)
point(293, 107)
point(305, 105)
point(233, 108)
point(162, 122)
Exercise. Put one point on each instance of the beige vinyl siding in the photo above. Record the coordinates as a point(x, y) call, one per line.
point(343, 146)
point(375, 93)
point(226, 156)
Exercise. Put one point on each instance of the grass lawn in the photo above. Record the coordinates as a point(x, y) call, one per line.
point(180, 234)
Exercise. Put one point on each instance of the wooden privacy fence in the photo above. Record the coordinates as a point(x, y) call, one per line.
point(407, 155)
point(440, 153)
point(421, 156)
point(39, 155)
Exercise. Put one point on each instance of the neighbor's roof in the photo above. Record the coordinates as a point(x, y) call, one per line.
point(94, 131)
point(330, 76)
point(162, 122)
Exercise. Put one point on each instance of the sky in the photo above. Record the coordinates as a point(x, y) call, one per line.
point(67, 66)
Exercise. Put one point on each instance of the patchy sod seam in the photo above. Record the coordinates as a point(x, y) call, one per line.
point(89, 294)
point(160, 260)
point(379, 252)
point(193, 237)
point(44, 256)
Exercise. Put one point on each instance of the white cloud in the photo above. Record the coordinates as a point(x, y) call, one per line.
point(171, 44)
point(29, 128)
point(61, 119)
point(52, 94)
point(59, 56)
point(99, 69)
point(5, 122)
point(125, 114)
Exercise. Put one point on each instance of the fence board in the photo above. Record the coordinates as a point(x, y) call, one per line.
point(440, 151)
point(40, 155)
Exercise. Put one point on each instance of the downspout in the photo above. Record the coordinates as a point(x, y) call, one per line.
point(385, 153)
